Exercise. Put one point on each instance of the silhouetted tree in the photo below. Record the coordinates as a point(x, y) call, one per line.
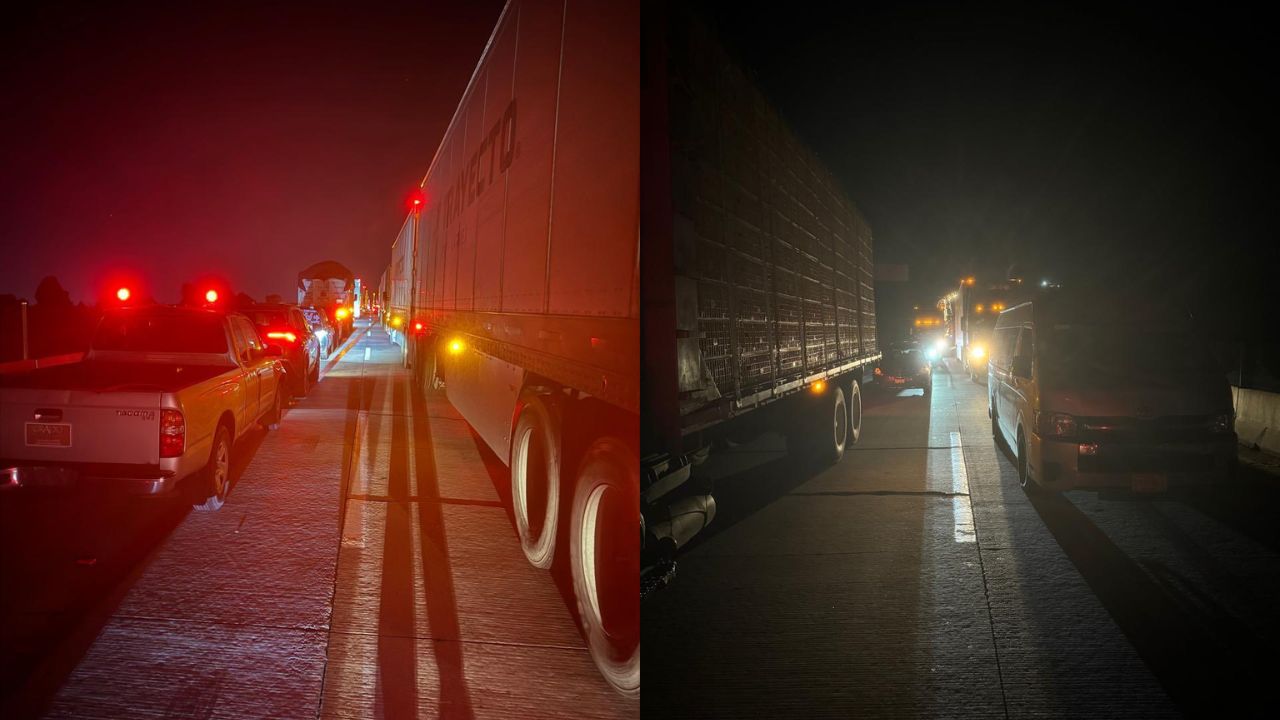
point(49, 293)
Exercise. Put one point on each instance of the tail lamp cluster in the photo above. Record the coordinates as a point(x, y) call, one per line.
point(285, 335)
point(173, 433)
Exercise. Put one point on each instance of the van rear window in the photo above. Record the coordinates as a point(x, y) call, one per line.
point(269, 318)
point(1116, 352)
point(140, 332)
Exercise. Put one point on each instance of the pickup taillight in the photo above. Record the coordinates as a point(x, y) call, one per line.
point(283, 335)
point(173, 433)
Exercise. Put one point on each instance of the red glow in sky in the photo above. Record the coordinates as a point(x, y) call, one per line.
point(243, 140)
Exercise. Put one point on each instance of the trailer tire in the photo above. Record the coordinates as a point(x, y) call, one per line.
point(821, 433)
point(604, 535)
point(854, 401)
point(535, 480)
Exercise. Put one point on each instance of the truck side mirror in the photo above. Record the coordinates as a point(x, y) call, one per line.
point(1022, 367)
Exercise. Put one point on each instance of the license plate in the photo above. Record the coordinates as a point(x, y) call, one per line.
point(1150, 483)
point(48, 434)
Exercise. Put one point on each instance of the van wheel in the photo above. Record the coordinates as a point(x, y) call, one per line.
point(217, 474)
point(604, 551)
point(535, 481)
point(1024, 473)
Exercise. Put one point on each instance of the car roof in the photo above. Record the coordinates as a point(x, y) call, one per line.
point(269, 306)
point(171, 310)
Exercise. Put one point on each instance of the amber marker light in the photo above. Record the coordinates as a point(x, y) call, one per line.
point(456, 346)
point(818, 387)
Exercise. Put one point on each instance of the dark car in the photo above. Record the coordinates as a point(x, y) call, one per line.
point(905, 367)
point(286, 327)
point(322, 329)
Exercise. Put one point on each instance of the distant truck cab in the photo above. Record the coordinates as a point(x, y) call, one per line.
point(1085, 400)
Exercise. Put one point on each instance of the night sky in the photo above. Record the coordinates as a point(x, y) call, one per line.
point(1100, 147)
point(1109, 146)
point(250, 140)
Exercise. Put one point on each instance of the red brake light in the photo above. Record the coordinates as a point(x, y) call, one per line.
point(211, 296)
point(123, 294)
point(283, 336)
point(173, 433)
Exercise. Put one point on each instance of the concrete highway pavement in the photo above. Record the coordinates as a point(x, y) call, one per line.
point(364, 566)
point(917, 579)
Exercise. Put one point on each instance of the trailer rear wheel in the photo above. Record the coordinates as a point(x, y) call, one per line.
point(535, 481)
point(855, 411)
point(604, 551)
point(820, 434)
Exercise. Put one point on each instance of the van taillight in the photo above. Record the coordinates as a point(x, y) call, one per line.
point(173, 433)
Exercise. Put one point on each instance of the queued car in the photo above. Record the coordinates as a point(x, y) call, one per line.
point(322, 329)
point(905, 366)
point(286, 327)
point(159, 402)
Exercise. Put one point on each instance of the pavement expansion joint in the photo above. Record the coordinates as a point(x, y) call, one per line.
point(433, 638)
point(208, 622)
point(417, 499)
point(922, 493)
point(904, 447)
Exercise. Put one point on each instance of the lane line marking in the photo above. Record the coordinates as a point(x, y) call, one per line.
point(367, 351)
point(961, 506)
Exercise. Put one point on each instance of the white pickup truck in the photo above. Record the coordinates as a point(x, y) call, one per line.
point(160, 399)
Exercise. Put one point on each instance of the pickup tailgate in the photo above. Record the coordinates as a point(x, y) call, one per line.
point(48, 425)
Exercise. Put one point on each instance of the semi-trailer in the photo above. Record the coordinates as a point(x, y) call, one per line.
point(758, 298)
point(513, 286)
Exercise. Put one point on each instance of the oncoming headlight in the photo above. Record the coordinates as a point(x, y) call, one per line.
point(977, 352)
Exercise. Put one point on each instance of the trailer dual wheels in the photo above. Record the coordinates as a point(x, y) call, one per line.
point(822, 431)
point(606, 560)
point(535, 481)
point(854, 402)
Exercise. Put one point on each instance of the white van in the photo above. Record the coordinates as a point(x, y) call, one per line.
point(1091, 401)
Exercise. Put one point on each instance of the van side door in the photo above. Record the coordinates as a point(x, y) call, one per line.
point(1020, 388)
point(1003, 340)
